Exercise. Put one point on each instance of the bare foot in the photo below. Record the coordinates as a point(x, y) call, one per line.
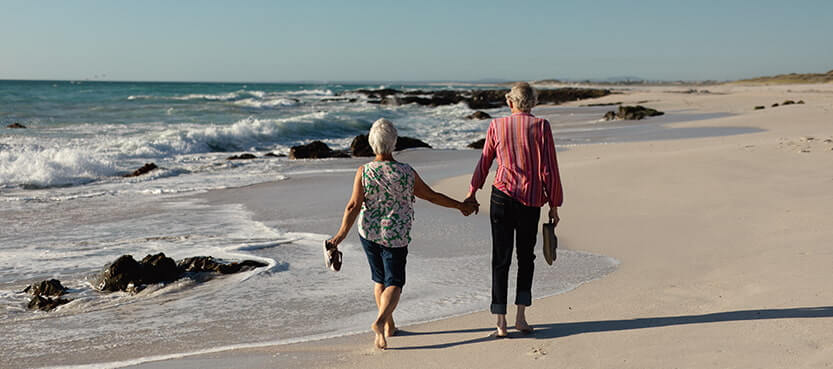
point(502, 331)
point(523, 327)
point(380, 342)
point(390, 328)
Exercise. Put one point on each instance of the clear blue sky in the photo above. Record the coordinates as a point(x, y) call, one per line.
point(412, 40)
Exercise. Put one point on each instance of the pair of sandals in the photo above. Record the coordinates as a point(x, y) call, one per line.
point(332, 257)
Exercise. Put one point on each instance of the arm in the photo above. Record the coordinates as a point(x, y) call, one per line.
point(483, 165)
point(551, 177)
point(351, 211)
point(423, 191)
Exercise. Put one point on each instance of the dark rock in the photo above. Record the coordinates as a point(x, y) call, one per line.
point(475, 99)
point(479, 115)
point(245, 156)
point(52, 287)
point(611, 115)
point(158, 269)
point(487, 99)
point(800, 102)
point(788, 102)
point(636, 112)
point(199, 264)
point(239, 267)
point(121, 273)
point(15, 125)
point(143, 170)
point(478, 144)
point(760, 107)
point(403, 142)
point(379, 92)
point(45, 303)
point(360, 146)
point(775, 105)
point(312, 150)
point(340, 154)
point(273, 155)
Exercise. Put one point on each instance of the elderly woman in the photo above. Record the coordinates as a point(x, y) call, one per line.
point(526, 179)
point(383, 197)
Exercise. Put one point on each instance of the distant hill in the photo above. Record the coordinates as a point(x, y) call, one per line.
point(792, 78)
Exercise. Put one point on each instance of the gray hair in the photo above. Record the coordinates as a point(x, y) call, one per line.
point(523, 96)
point(382, 137)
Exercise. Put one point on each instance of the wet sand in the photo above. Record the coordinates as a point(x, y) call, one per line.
point(724, 243)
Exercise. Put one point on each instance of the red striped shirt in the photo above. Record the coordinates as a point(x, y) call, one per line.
point(527, 169)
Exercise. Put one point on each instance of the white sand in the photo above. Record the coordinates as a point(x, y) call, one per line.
point(726, 246)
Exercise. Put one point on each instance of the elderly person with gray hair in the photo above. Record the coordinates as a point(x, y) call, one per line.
point(382, 199)
point(526, 179)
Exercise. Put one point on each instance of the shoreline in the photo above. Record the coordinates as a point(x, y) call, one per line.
point(691, 294)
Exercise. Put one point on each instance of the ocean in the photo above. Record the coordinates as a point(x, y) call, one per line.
point(66, 212)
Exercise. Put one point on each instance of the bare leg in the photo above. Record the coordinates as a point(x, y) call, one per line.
point(520, 320)
point(387, 303)
point(501, 325)
point(390, 326)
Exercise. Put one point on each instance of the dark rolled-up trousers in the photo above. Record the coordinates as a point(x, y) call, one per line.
point(513, 224)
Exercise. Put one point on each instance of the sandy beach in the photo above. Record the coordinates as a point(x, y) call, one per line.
point(723, 244)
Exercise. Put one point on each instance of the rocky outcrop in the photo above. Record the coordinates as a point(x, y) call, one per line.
point(361, 147)
point(477, 144)
point(611, 115)
point(245, 156)
point(475, 99)
point(760, 107)
point(479, 115)
point(199, 264)
point(315, 150)
point(147, 168)
point(15, 125)
point(158, 268)
point(52, 287)
point(403, 142)
point(273, 155)
point(788, 102)
point(45, 303)
point(123, 272)
point(126, 274)
point(633, 113)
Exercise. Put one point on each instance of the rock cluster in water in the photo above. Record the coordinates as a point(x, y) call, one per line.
point(127, 274)
point(15, 125)
point(358, 148)
point(637, 112)
point(42, 290)
point(475, 99)
point(147, 168)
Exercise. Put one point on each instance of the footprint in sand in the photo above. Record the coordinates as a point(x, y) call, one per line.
point(537, 352)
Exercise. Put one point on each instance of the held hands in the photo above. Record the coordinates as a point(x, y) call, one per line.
point(470, 205)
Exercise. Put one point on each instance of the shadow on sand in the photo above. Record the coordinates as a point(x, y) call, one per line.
point(555, 330)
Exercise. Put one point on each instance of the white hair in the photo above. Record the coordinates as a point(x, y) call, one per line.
point(382, 137)
point(522, 96)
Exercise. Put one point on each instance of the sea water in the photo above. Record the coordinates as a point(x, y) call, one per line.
point(66, 212)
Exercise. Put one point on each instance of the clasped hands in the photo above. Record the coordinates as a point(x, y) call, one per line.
point(470, 205)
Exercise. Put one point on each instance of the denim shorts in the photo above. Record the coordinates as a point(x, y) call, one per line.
point(387, 264)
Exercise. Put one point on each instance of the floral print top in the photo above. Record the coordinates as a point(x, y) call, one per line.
point(388, 208)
